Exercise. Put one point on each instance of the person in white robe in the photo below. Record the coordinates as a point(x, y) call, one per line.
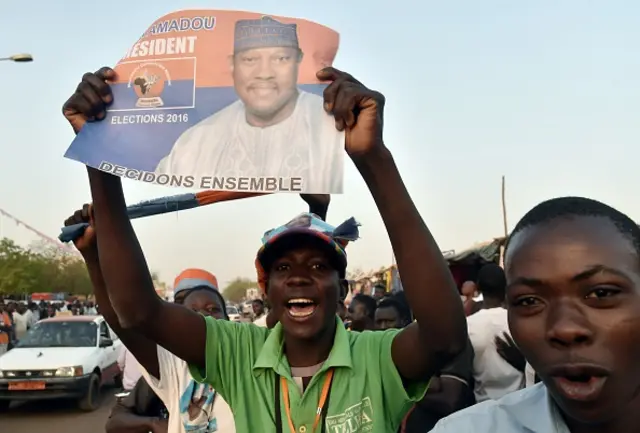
point(275, 129)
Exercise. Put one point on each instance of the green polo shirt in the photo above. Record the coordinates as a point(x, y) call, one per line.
point(367, 394)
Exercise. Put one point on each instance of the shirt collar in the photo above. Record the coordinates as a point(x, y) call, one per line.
point(272, 354)
point(556, 416)
point(540, 413)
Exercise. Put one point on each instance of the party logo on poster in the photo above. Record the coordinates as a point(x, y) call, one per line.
point(148, 81)
point(158, 84)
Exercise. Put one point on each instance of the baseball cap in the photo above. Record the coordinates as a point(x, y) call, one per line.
point(310, 226)
point(192, 278)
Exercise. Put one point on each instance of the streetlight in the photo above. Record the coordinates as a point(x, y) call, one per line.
point(18, 58)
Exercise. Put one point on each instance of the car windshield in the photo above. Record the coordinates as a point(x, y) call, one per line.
point(232, 310)
point(61, 334)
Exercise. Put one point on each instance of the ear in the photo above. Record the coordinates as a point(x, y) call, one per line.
point(265, 294)
point(344, 289)
point(230, 60)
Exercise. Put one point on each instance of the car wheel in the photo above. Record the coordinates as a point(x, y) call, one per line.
point(91, 400)
point(4, 405)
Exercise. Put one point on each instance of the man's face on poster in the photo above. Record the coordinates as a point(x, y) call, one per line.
point(266, 79)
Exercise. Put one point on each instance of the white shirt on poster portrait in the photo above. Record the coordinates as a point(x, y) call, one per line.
point(306, 145)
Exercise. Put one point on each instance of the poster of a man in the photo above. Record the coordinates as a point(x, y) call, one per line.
point(221, 100)
point(274, 129)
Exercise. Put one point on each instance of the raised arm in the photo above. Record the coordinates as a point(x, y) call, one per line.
point(144, 350)
point(124, 268)
point(318, 204)
point(440, 331)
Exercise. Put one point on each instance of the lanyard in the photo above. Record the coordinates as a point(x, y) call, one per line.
point(321, 411)
point(403, 425)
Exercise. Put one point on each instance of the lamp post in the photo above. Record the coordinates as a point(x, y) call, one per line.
point(19, 58)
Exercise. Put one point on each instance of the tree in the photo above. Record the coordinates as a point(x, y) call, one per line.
point(19, 269)
point(236, 289)
point(45, 268)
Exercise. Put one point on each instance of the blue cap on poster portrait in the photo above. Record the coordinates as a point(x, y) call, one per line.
point(264, 32)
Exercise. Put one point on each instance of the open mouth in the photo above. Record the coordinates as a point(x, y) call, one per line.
point(580, 384)
point(301, 308)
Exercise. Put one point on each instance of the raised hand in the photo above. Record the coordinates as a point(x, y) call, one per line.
point(90, 100)
point(507, 349)
point(87, 242)
point(357, 110)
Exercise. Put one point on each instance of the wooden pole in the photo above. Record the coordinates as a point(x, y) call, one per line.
point(504, 209)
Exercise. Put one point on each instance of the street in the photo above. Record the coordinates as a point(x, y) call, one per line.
point(57, 416)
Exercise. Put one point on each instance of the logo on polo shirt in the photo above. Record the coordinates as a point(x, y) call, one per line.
point(356, 419)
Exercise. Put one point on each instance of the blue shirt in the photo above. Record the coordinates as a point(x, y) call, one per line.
point(530, 410)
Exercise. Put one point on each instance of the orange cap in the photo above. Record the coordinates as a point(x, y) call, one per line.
point(193, 277)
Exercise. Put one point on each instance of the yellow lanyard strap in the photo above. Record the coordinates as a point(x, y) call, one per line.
point(321, 402)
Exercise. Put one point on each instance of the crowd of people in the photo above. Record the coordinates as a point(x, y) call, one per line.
point(552, 347)
point(489, 367)
point(17, 317)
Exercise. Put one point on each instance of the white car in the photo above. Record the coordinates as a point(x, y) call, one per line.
point(61, 357)
point(233, 313)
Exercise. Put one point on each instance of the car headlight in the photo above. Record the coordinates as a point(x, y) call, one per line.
point(69, 371)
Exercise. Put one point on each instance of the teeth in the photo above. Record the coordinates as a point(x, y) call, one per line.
point(301, 307)
point(302, 313)
point(300, 301)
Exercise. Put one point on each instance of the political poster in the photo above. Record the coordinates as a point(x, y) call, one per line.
point(221, 100)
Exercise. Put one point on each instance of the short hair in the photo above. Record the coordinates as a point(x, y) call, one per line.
point(566, 207)
point(492, 282)
point(257, 301)
point(368, 301)
point(404, 313)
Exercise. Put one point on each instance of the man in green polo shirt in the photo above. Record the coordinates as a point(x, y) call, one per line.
point(308, 373)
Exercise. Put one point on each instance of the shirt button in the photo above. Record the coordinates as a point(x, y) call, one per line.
point(302, 429)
